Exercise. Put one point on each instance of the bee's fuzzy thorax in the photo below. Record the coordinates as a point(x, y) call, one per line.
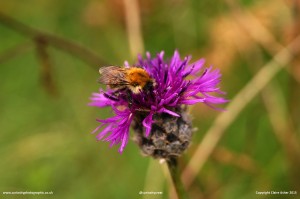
point(135, 89)
point(137, 77)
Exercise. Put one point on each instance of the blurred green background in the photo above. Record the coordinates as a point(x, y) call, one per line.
point(45, 140)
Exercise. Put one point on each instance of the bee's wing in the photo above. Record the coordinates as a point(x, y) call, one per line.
point(113, 76)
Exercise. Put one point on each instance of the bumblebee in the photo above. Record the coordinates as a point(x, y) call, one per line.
point(133, 78)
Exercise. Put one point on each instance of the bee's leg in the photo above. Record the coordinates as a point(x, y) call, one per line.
point(111, 96)
point(149, 90)
point(114, 95)
point(129, 98)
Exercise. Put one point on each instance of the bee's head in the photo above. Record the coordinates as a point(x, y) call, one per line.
point(135, 88)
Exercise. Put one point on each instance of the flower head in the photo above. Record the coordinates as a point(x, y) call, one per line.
point(177, 83)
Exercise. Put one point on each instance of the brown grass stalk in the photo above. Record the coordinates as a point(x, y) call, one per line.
point(225, 119)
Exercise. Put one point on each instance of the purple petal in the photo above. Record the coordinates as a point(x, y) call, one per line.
point(124, 142)
point(164, 110)
point(195, 67)
point(191, 101)
point(104, 132)
point(118, 125)
point(147, 123)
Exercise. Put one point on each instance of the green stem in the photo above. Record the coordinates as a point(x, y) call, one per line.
point(175, 175)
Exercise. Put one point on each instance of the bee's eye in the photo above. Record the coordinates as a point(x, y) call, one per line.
point(135, 84)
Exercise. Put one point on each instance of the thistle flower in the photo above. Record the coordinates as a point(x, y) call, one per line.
point(159, 117)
